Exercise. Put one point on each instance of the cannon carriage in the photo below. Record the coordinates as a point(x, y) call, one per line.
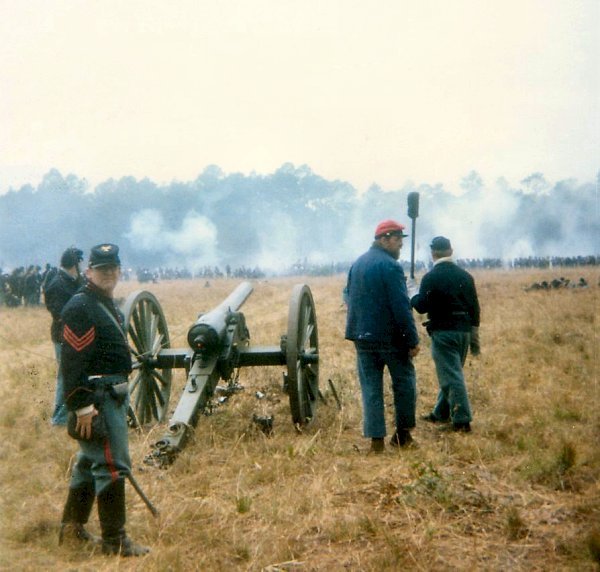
point(218, 346)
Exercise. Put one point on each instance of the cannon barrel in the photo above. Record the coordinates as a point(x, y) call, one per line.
point(208, 331)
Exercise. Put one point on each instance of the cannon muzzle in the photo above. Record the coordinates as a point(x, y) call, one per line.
point(207, 333)
point(203, 338)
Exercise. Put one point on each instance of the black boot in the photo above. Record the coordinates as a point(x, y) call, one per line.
point(76, 513)
point(461, 427)
point(111, 511)
point(402, 438)
point(377, 445)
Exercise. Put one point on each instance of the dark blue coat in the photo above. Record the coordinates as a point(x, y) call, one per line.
point(58, 292)
point(378, 306)
point(93, 344)
point(449, 297)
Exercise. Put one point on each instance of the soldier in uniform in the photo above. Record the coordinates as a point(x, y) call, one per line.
point(31, 286)
point(58, 292)
point(96, 362)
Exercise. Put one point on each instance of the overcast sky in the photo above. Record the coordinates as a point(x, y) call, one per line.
point(380, 91)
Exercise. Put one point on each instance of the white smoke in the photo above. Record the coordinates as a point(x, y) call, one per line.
point(146, 229)
point(520, 249)
point(279, 242)
point(193, 245)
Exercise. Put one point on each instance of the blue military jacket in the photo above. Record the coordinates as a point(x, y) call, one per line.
point(378, 306)
point(92, 345)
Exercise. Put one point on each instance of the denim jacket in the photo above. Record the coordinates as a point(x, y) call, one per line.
point(378, 306)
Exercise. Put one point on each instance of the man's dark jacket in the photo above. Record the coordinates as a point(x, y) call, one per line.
point(378, 305)
point(93, 344)
point(58, 292)
point(448, 295)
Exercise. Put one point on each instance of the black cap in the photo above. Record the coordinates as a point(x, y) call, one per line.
point(104, 255)
point(71, 257)
point(440, 243)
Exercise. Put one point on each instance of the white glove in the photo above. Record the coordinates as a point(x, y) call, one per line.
point(412, 287)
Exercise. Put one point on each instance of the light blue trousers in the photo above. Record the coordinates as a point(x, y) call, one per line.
point(102, 463)
point(59, 417)
point(449, 351)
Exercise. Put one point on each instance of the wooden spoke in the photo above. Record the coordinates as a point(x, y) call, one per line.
point(147, 332)
point(302, 356)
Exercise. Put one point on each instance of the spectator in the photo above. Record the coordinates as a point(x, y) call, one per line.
point(381, 325)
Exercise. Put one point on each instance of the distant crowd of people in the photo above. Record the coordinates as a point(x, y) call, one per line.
point(529, 262)
point(305, 268)
point(24, 285)
point(205, 272)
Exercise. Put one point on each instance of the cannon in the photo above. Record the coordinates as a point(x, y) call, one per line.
point(218, 346)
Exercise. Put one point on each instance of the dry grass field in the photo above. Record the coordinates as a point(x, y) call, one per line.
point(519, 493)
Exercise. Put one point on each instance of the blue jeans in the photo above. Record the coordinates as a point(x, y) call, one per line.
point(371, 360)
point(449, 351)
point(59, 417)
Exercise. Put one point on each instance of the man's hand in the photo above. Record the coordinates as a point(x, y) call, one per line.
point(84, 424)
point(474, 345)
point(412, 352)
point(412, 287)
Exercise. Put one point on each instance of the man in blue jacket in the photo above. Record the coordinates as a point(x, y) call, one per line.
point(382, 327)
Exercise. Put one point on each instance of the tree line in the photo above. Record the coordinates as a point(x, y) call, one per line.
point(272, 221)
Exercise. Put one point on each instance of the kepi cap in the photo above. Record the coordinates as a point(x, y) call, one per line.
point(389, 227)
point(440, 243)
point(104, 255)
point(71, 257)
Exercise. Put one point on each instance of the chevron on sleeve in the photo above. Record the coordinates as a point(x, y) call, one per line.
point(79, 343)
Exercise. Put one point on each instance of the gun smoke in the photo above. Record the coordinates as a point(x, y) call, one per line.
point(273, 221)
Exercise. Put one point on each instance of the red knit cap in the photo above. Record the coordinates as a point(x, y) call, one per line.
point(387, 227)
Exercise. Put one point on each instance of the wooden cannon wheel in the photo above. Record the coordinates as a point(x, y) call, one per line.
point(302, 356)
point(147, 333)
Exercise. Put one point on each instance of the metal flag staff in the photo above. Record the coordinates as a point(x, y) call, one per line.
point(413, 213)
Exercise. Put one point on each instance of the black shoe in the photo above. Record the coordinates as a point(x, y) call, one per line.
point(402, 438)
point(377, 445)
point(433, 419)
point(123, 546)
point(461, 427)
